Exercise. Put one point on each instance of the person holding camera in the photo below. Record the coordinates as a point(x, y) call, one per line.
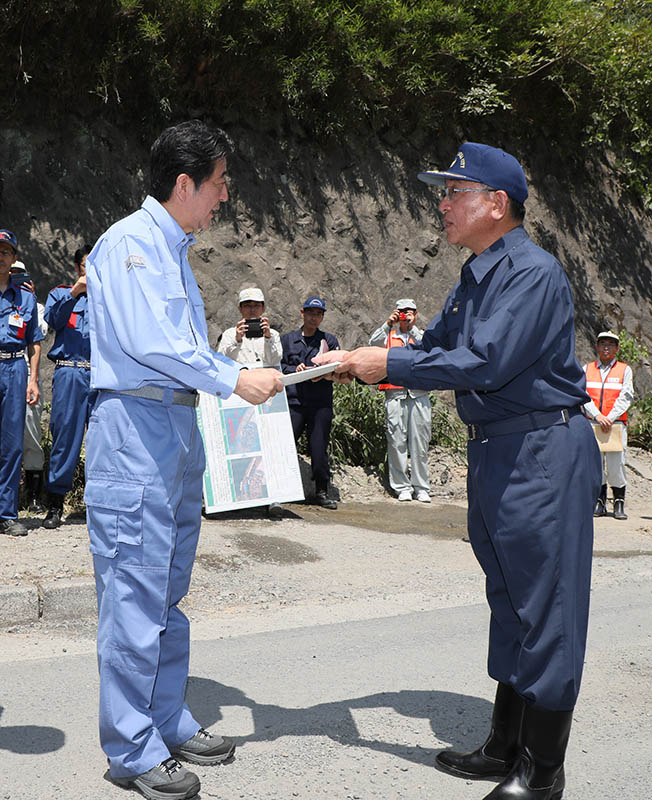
point(407, 411)
point(19, 332)
point(252, 341)
point(66, 312)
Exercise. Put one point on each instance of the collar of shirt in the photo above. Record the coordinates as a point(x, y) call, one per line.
point(175, 235)
point(482, 264)
point(602, 367)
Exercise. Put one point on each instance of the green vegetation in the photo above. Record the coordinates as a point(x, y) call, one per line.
point(576, 72)
point(639, 433)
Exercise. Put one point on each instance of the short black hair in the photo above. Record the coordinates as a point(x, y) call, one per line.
point(191, 148)
point(516, 209)
point(80, 253)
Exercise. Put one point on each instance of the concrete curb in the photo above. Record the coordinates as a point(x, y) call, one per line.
point(53, 601)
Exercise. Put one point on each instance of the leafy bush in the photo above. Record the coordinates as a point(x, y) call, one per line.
point(639, 433)
point(577, 71)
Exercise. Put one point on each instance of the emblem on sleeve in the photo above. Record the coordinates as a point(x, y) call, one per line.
point(134, 261)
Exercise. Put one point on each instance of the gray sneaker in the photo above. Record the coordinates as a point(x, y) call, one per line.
point(12, 527)
point(166, 781)
point(205, 748)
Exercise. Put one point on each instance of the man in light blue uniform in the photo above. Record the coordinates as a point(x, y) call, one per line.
point(505, 342)
point(66, 312)
point(145, 460)
point(19, 330)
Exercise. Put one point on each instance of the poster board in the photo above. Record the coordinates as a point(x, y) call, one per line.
point(610, 442)
point(251, 457)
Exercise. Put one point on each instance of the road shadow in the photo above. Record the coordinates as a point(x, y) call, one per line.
point(30, 739)
point(459, 719)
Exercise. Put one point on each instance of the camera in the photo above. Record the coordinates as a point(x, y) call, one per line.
point(402, 315)
point(19, 277)
point(254, 328)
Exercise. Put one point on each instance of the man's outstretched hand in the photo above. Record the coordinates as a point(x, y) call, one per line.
point(369, 364)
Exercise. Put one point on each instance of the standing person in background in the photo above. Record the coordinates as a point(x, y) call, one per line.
point(407, 411)
point(19, 332)
point(505, 342)
point(33, 455)
point(252, 341)
point(145, 460)
point(311, 402)
point(66, 312)
point(610, 385)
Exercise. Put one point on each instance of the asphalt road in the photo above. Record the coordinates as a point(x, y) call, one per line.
point(347, 710)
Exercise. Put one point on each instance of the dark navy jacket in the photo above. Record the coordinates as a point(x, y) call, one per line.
point(505, 339)
point(68, 316)
point(297, 350)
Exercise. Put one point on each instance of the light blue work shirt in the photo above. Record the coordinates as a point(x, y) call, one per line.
point(147, 320)
point(68, 317)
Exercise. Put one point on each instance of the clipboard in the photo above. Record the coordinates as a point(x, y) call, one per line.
point(610, 442)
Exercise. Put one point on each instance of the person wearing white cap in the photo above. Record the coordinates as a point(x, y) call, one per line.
point(252, 341)
point(610, 385)
point(407, 411)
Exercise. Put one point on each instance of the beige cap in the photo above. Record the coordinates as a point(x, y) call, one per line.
point(608, 335)
point(406, 302)
point(251, 294)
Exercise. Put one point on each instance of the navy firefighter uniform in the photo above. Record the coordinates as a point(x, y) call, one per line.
point(18, 329)
point(144, 468)
point(72, 398)
point(504, 342)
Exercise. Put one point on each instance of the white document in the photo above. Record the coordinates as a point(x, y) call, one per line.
point(251, 457)
point(309, 373)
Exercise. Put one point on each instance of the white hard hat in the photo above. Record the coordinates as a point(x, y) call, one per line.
point(406, 302)
point(608, 335)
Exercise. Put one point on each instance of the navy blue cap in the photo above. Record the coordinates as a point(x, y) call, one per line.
point(483, 164)
point(315, 302)
point(8, 236)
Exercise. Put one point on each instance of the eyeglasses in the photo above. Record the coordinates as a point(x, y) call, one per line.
point(451, 191)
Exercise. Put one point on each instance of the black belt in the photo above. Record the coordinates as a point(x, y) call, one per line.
point(522, 424)
point(62, 362)
point(179, 397)
point(5, 355)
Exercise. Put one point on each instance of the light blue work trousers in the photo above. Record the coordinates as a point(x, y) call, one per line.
point(144, 467)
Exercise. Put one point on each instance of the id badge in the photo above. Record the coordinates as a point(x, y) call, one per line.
point(16, 321)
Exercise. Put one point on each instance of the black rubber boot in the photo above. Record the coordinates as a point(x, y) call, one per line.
point(34, 487)
point(539, 771)
point(600, 509)
point(497, 755)
point(55, 511)
point(619, 503)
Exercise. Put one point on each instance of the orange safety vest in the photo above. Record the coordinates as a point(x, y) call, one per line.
point(604, 394)
point(394, 340)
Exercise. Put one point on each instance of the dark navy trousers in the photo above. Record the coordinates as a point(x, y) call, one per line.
point(531, 498)
point(13, 402)
point(317, 421)
point(72, 401)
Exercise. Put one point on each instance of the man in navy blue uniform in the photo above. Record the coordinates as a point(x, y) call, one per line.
point(311, 402)
point(145, 460)
point(504, 342)
point(19, 330)
point(66, 312)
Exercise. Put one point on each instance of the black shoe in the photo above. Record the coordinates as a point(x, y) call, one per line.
point(539, 771)
point(497, 756)
point(168, 780)
point(323, 500)
point(12, 527)
point(600, 509)
point(619, 509)
point(34, 487)
point(275, 511)
point(205, 748)
point(53, 518)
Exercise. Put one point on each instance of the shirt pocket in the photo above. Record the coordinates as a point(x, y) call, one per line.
point(178, 309)
point(114, 512)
